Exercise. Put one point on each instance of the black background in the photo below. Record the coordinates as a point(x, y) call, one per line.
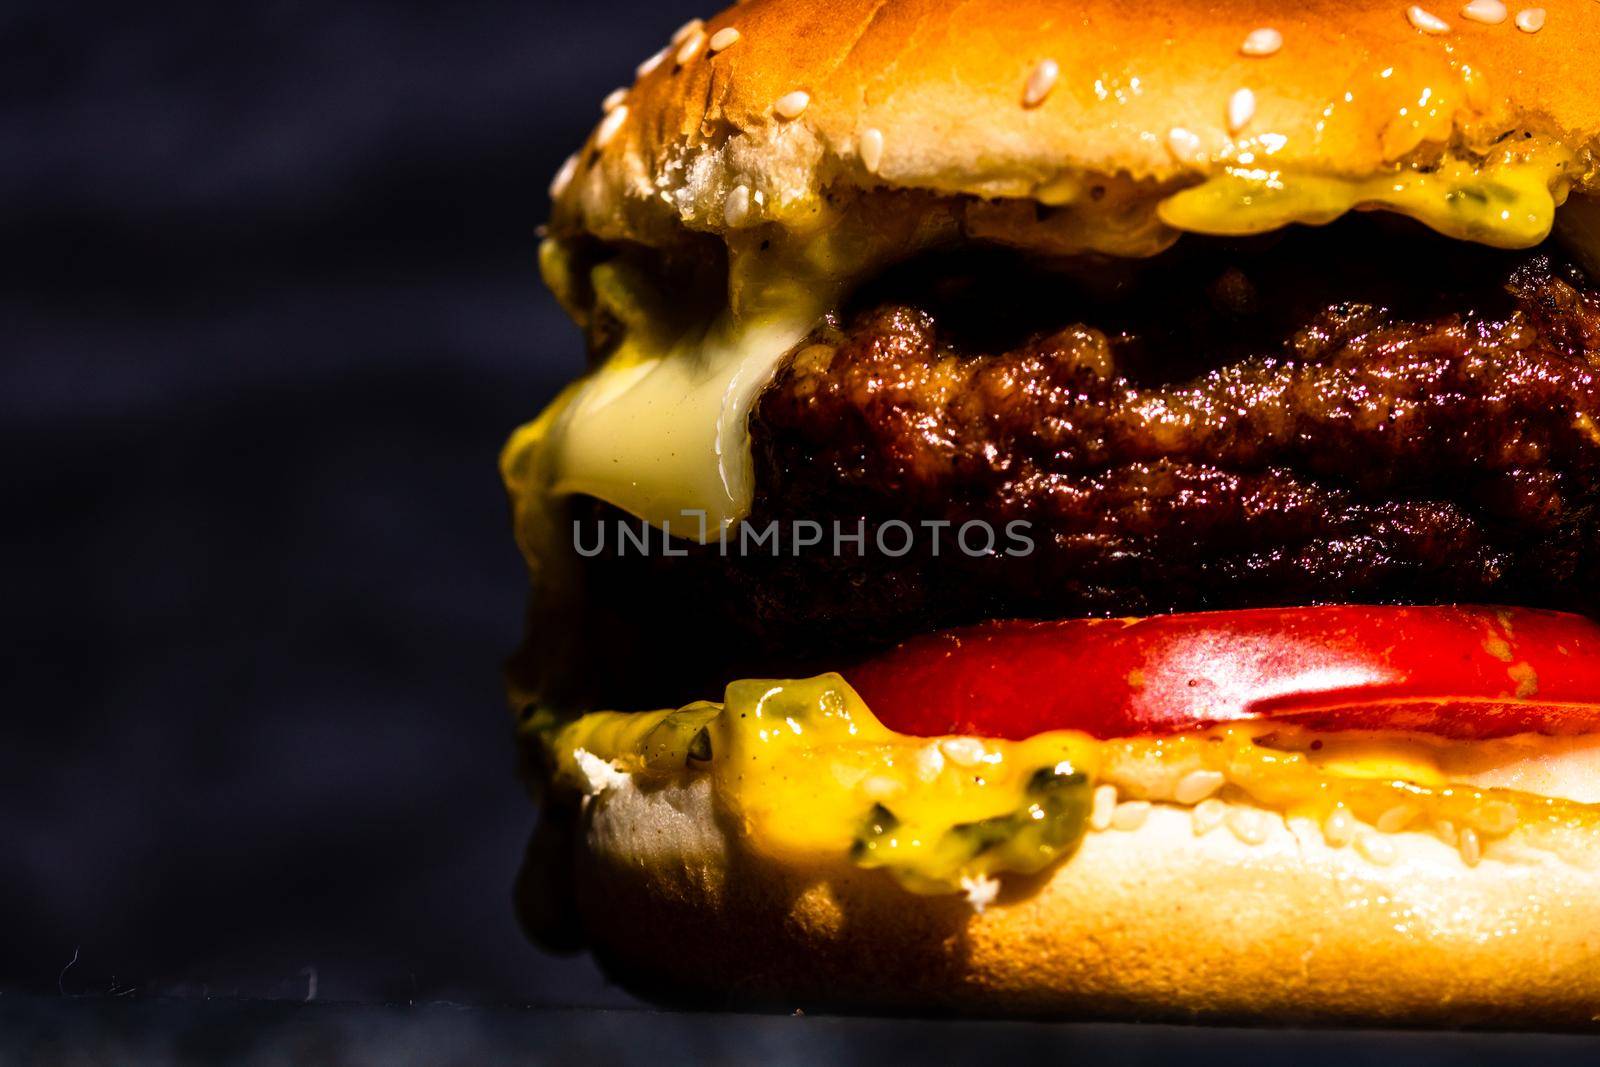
point(271, 306)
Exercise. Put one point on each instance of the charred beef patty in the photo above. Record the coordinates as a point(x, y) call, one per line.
point(1368, 455)
point(1282, 425)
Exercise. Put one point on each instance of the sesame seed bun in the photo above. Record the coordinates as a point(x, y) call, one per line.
point(1020, 98)
point(1156, 922)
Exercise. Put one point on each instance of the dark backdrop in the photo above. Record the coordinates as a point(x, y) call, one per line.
point(270, 306)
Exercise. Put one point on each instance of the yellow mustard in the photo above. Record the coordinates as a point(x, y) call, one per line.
point(812, 776)
point(1507, 203)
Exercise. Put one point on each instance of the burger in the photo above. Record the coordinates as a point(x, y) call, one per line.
point(1079, 509)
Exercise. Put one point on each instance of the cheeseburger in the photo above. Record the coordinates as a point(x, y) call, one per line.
point(1079, 508)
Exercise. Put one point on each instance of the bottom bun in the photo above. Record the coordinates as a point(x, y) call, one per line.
point(1158, 922)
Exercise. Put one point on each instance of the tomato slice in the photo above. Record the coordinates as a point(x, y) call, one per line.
point(1457, 671)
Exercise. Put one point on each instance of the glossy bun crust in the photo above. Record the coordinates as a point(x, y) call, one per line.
point(919, 94)
point(1153, 923)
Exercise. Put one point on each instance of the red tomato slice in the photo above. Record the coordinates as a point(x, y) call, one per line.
point(1462, 672)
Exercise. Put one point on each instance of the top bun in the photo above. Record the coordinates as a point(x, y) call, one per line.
point(1029, 99)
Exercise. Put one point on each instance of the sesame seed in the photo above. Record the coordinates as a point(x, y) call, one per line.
point(1471, 849)
point(691, 45)
point(687, 30)
point(613, 100)
point(736, 210)
point(790, 105)
point(1249, 825)
point(871, 149)
point(1185, 144)
point(1488, 12)
point(1196, 786)
point(1426, 21)
point(1130, 815)
point(1495, 817)
point(563, 178)
point(1530, 20)
point(610, 125)
point(963, 751)
point(653, 62)
point(1208, 815)
point(726, 37)
point(1102, 806)
point(1040, 82)
point(879, 786)
point(1376, 848)
point(1339, 828)
point(1241, 109)
point(1263, 42)
point(599, 774)
point(981, 891)
point(1396, 818)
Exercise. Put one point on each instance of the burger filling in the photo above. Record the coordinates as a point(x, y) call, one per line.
point(1276, 421)
point(813, 778)
point(1361, 414)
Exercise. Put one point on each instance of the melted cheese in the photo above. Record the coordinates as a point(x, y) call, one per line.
point(812, 777)
point(659, 429)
